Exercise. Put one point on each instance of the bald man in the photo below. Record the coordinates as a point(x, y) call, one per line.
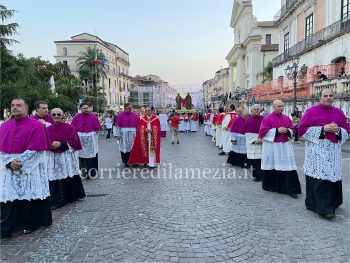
point(325, 129)
point(64, 174)
point(277, 160)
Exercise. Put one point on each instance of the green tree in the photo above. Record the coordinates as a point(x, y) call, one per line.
point(91, 69)
point(267, 73)
point(6, 31)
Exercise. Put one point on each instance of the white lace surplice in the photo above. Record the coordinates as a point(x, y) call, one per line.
point(277, 155)
point(240, 146)
point(63, 165)
point(253, 150)
point(323, 157)
point(89, 141)
point(127, 138)
point(29, 183)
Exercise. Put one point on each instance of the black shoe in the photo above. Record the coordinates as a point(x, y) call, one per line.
point(178, 142)
point(293, 195)
point(27, 231)
point(222, 153)
point(256, 179)
point(329, 216)
point(172, 143)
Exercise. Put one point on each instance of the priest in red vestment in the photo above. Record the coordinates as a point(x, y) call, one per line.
point(146, 148)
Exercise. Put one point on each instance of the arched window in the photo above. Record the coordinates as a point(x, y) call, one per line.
point(64, 51)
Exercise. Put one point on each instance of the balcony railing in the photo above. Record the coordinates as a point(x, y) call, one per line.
point(285, 8)
point(319, 38)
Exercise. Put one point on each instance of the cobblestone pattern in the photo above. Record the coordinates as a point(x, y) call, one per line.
point(186, 220)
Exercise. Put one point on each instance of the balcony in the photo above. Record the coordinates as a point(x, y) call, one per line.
point(287, 8)
point(315, 40)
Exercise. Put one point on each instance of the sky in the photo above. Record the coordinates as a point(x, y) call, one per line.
point(183, 41)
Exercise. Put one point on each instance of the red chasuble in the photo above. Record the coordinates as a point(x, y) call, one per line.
point(139, 152)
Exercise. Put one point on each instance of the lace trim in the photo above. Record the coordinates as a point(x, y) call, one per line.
point(323, 158)
point(240, 146)
point(89, 141)
point(63, 165)
point(29, 183)
point(127, 138)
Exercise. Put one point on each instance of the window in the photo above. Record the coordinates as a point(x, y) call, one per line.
point(65, 63)
point(268, 39)
point(286, 43)
point(64, 51)
point(309, 26)
point(345, 10)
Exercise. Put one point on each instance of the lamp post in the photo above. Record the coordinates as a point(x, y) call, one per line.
point(292, 73)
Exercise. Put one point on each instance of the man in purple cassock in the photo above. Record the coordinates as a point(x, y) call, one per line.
point(42, 113)
point(24, 185)
point(87, 126)
point(238, 153)
point(324, 129)
point(126, 131)
point(64, 174)
point(277, 159)
point(253, 143)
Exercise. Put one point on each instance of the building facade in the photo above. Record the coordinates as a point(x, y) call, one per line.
point(151, 90)
point(116, 84)
point(318, 33)
point(255, 44)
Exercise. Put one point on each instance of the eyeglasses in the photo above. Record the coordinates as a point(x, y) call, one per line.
point(56, 114)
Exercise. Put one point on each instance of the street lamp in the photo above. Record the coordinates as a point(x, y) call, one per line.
point(292, 73)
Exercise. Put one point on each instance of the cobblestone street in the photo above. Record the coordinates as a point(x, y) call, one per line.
point(128, 218)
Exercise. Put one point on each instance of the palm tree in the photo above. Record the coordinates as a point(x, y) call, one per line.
point(267, 72)
point(91, 68)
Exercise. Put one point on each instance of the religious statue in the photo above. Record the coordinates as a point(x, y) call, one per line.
point(178, 101)
point(188, 101)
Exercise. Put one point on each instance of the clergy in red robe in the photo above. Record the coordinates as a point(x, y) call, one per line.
point(146, 148)
point(325, 129)
point(24, 184)
point(64, 173)
point(42, 113)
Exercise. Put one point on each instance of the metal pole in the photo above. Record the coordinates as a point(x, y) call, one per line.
point(295, 88)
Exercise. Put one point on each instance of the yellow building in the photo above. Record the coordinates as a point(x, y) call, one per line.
point(116, 84)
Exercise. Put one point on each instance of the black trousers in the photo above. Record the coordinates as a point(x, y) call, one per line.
point(284, 182)
point(89, 167)
point(125, 157)
point(19, 215)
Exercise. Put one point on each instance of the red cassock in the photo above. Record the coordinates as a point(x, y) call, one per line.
point(207, 117)
point(233, 117)
point(220, 119)
point(215, 119)
point(195, 117)
point(139, 151)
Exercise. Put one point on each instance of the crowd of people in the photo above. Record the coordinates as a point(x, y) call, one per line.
point(263, 145)
point(44, 157)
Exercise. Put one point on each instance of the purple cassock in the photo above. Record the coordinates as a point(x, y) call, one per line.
point(126, 120)
point(323, 158)
point(252, 124)
point(126, 131)
point(320, 115)
point(86, 122)
point(238, 153)
point(238, 125)
point(274, 120)
point(63, 165)
point(24, 193)
point(66, 133)
point(17, 136)
point(47, 118)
